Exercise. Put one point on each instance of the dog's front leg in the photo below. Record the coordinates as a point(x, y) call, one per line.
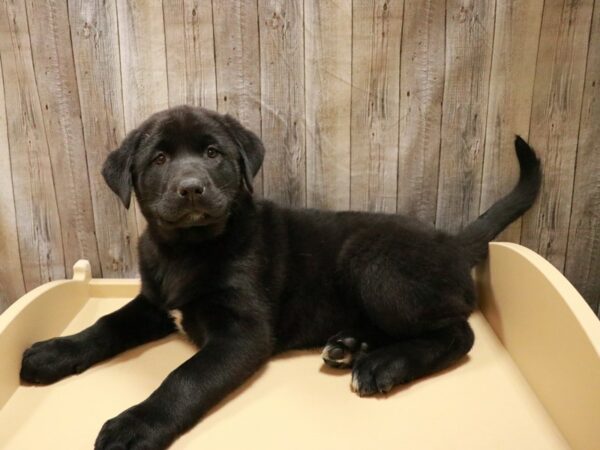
point(134, 324)
point(228, 358)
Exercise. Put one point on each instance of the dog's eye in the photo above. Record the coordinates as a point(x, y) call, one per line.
point(211, 151)
point(160, 159)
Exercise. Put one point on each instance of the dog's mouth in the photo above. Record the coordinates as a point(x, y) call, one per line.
point(191, 219)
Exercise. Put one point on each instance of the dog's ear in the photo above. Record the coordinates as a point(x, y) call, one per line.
point(117, 167)
point(252, 151)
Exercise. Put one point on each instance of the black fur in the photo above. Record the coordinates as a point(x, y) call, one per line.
point(389, 295)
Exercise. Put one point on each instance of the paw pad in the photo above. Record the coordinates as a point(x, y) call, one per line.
point(341, 351)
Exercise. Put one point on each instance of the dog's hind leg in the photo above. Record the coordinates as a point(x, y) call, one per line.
point(419, 297)
point(411, 358)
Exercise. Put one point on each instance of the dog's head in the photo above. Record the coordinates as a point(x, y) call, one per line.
point(186, 166)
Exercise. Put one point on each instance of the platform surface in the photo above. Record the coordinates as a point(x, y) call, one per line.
point(294, 403)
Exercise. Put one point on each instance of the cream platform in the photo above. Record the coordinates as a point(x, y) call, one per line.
point(532, 381)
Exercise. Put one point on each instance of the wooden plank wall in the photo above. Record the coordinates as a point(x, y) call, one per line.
point(379, 105)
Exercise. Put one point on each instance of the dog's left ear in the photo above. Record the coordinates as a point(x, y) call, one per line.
point(117, 167)
point(252, 151)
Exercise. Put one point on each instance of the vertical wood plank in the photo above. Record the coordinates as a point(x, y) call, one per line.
point(96, 52)
point(143, 65)
point(12, 285)
point(282, 100)
point(190, 53)
point(583, 251)
point(376, 38)
point(421, 93)
point(237, 53)
point(38, 222)
point(555, 118)
point(328, 75)
point(57, 87)
point(469, 35)
point(511, 91)
point(347, 118)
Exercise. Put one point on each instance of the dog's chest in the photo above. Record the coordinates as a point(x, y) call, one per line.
point(177, 317)
point(177, 282)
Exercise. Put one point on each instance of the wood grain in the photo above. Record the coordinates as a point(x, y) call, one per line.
point(237, 52)
point(328, 75)
point(50, 36)
point(583, 251)
point(380, 105)
point(190, 53)
point(143, 65)
point(282, 99)
point(509, 107)
point(96, 53)
point(12, 285)
point(421, 94)
point(38, 222)
point(555, 117)
point(376, 38)
point(469, 36)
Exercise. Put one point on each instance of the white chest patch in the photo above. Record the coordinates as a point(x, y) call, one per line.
point(177, 318)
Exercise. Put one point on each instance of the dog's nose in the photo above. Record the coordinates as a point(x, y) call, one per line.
point(190, 188)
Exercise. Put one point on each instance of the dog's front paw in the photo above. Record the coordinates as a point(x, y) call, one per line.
point(129, 431)
point(49, 361)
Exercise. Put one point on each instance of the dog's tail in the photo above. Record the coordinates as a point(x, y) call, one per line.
point(475, 237)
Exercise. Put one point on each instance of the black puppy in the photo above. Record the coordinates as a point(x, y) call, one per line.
point(388, 295)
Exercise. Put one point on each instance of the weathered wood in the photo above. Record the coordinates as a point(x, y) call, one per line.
point(328, 73)
point(583, 251)
point(12, 285)
point(50, 37)
point(237, 53)
point(96, 53)
point(469, 36)
point(555, 117)
point(421, 93)
point(38, 222)
point(371, 104)
point(282, 99)
point(143, 65)
point(190, 53)
point(509, 107)
point(376, 37)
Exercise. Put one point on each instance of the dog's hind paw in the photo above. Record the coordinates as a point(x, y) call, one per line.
point(342, 350)
point(375, 375)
